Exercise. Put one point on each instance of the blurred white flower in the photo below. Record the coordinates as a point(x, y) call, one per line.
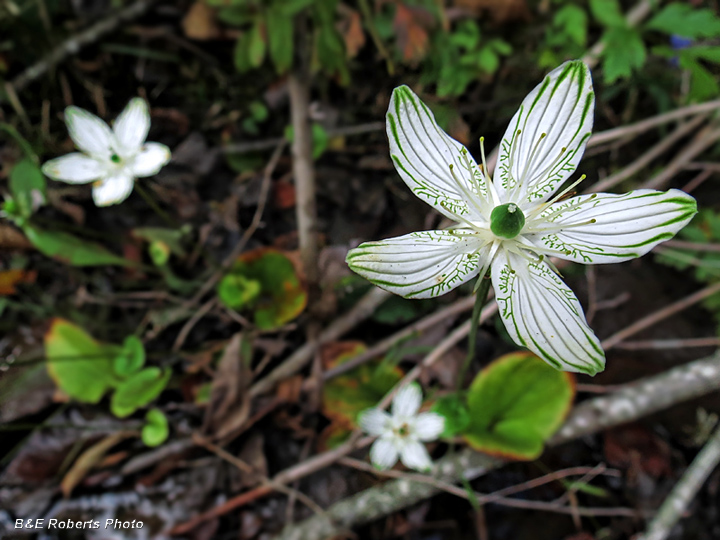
point(402, 432)
point(110, 158)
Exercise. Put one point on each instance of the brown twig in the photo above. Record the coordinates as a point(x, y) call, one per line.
point(659, 315)
point(664, 344)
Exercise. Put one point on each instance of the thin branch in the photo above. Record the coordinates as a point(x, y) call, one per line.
point(74, 44)
point(664, 344)
point(685, 490)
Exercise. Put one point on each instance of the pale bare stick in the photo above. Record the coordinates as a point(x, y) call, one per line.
point(684, 491)
point(665, 344)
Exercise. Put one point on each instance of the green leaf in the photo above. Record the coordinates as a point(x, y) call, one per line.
point(280, 35)
point(573, 21)
point(156, 430)
point(174, 239)
point(241, 54)
point(236, 15)
point(282, 295)
point(515, 404)
point(320, 140)
point(608, 13)
point(257, 44)
point(138, 390)
point(455, 412)
point(237, 291)
point(624, 51)
point(131, 357)
point(684, 20)
point(80, 366)
point(70, 249)
point(292, 7)
point(27, 185)
point(703, 84)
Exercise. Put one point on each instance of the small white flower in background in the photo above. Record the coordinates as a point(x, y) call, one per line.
point(403, 431)
point(513, 224)
point(110, 158)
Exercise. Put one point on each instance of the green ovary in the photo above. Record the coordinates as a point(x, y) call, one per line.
point(507, 220)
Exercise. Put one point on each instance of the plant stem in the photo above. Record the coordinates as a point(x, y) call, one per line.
point(480, 299)
point(155, 206)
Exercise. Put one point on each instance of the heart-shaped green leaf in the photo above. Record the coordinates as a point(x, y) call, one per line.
point(81, 366)
point(156, 430)
point(138, 390)
point(131, 357)
point(515, 404)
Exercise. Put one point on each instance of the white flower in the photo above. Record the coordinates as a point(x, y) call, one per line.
point(511, 225)
point(402, 432)
point(110, 158)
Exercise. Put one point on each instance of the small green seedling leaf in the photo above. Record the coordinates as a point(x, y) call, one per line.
point(159, 253)
point(455, 412)
point(138, 390)
point(80, 366)
point(27, 185)
point(131, 357)
point(156, 430)
point(70, 249)
point(236, 291)
point(515, 404)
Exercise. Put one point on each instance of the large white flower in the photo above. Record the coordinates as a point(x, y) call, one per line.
point(110, 158)
point(512, 224)
point(402, 432)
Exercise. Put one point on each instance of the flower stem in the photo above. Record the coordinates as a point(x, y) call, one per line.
point(155, 206)
point(480, 299)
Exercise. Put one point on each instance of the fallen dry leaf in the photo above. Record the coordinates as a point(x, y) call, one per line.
point(353, 34)
point(501, 11)
point(200, 23)
point(412, 36)
point(10, 278)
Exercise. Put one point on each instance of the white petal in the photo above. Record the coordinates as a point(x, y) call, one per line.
point(75, 168)
point(422, 154)
point(374, 421)
point(421, 264)
point(383, 454)
point(407, 401)
point(625, 226)
point(531, 166)
point(89, 133)
point(113, 189)
point(429, 426)
point(152, 158)
point(541, 313)
point(132, 126)
point(414, 456)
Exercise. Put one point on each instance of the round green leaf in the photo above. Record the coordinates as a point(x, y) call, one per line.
point(138, 390)
point(131, 357)
point(156, 430)
point(80, 366)
point(455, 412)
point(237, 291)
point(515, 404)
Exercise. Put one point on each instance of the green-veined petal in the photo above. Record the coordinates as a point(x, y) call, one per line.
point(383, 453)
point(542, 313)
point(407, 401)
point(113, 189)
point(414, 456)
point(423, 153)
point(605, 228)
point(151, 158)
point(74, 168)
point(531, 166)
point(132, 126)
point(421, 264)
point(89, 133)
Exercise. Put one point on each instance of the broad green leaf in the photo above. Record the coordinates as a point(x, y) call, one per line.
point(608, 13)
point(156, 430)
point(282, 295)
point(27, 185)
point(80, 366)
point(292, 7)
point(234, 15)
point(241, 53)
point(131, 357)
point(138, 390)
point(684, 20)
point(703, 84)
point(280, 37)
point(515, 404)
point(624, 51)
point(346, 396)
point(257, 44)
point(70, 249)
point(573, 21)
point(455, 412)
